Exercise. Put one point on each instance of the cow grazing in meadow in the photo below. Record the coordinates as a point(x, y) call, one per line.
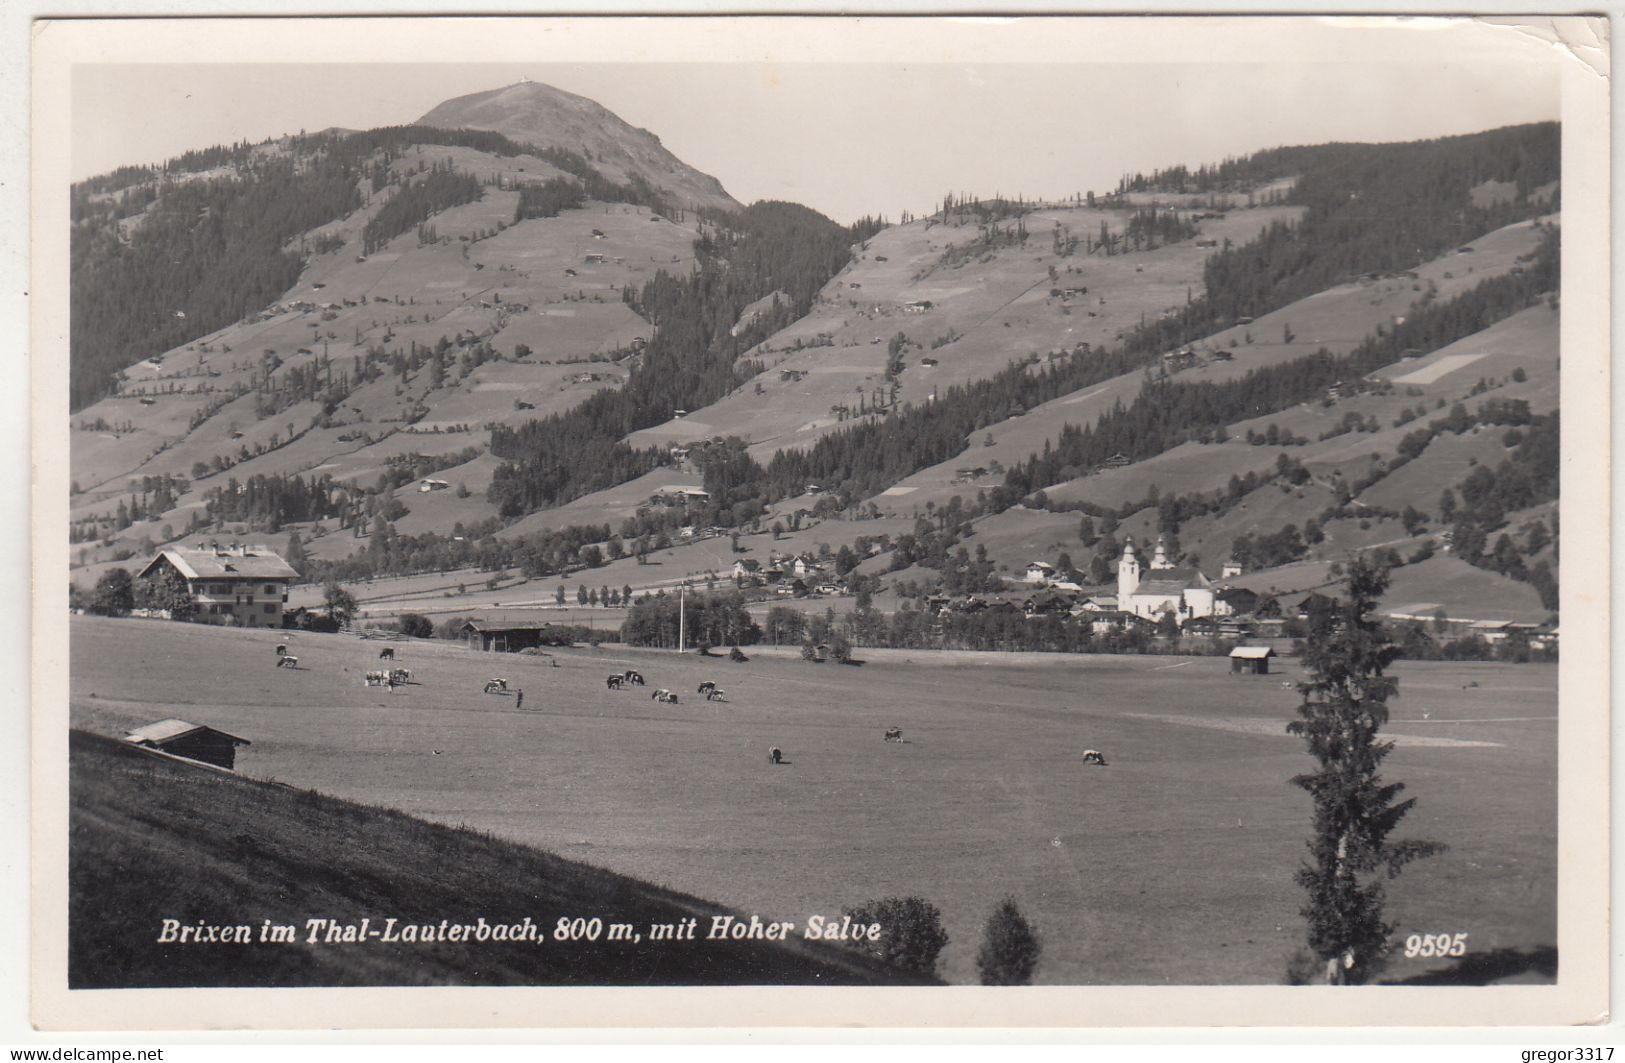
point(894, 734)
point(387, 653)
point(1094, 756)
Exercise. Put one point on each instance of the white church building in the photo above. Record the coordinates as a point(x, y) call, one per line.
point(1164, 588)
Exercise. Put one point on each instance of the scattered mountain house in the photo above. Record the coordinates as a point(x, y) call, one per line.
point(1046, 602)
point(1250, 660)
point(1095, 603)
point(1162, 588)
point(679, 496)
point(1494, 631)
point(1314, 603)
point(1114, 620)
point(747, 569)
point(246, 585)
point(1174, 361)
point(189, 741)
point(1039, 572)
point(1238, 601)
point(433, 485)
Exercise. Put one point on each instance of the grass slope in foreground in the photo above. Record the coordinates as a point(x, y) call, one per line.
point(151, 840)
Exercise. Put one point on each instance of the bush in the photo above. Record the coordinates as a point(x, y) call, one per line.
point(451, 627)
point(416, 625)
point(737, 655)
point(1304, 969)
point(1010, 947)
point(114, 594)
point(911, 933)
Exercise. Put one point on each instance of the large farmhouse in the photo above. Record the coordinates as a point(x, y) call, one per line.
point(247, 585)
point(1162, 588)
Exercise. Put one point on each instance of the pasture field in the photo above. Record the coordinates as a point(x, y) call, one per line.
point(1171, 866)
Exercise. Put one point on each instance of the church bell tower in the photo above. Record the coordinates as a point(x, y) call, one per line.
point(1128, 574)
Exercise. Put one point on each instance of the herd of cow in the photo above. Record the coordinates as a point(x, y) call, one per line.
point(621, 680)
point(394, 677)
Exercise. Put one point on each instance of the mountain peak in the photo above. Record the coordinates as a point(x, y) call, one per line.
point(539, 114)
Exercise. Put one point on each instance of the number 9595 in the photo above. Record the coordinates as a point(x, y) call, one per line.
point(1427, 946)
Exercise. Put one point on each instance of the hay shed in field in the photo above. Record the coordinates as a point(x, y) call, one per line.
point(191, 741)
point(511, 636)
point(1251, 660)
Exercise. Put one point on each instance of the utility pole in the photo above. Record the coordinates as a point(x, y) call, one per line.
point(682, 614)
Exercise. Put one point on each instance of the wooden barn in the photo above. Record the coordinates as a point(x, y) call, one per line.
point(192, 741)
point(1251, 660)
point(510, 636)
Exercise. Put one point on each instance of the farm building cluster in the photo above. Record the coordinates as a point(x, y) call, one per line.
point(792, 574)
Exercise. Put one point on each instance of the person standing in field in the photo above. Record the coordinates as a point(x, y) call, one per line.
point(519, 702)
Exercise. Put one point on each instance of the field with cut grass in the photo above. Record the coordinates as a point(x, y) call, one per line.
point(1172, 865)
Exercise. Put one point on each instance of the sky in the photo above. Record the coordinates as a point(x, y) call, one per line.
point(851, 117)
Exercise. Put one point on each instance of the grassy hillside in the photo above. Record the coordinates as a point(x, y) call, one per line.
point(152, 840)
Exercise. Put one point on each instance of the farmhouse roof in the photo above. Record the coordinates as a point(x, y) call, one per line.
point(1252, 653)
point(240, 562)
point(169, 730)
point(487, 625)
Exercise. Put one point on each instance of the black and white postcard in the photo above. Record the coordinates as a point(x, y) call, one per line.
point(688, 521)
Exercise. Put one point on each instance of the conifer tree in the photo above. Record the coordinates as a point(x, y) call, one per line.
point(1344, 708)
point(1010, 947)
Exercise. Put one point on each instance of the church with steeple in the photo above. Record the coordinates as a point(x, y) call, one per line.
point(1162, 587)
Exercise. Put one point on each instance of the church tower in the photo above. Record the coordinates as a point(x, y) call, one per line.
point(1128, 574)
point(1160, 558)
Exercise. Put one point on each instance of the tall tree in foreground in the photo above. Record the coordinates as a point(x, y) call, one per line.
point(1010, 947)
point(1345, 706)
